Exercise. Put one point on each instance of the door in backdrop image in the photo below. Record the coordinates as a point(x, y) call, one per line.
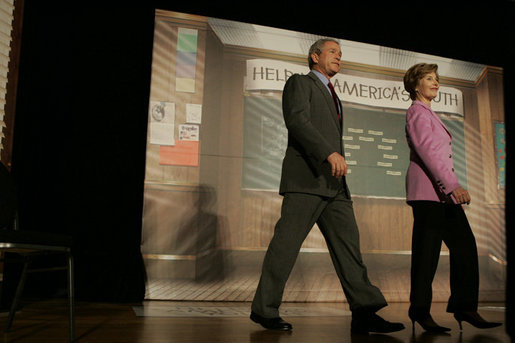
point(216, 140)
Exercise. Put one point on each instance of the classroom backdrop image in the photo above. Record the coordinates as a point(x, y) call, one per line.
point(215, 145)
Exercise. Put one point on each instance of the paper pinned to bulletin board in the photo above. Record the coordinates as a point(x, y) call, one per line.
point(188, 132)
point(162, 122)
point(184, 153)
point(194, 113)
point(186, 63)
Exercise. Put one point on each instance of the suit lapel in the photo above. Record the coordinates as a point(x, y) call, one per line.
point(328, 98)
point(435, 117)
point(441, 123)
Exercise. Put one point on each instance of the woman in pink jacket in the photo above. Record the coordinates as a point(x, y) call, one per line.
point(436, 198)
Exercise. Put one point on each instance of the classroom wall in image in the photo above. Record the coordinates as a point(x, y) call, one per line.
point(213, 162)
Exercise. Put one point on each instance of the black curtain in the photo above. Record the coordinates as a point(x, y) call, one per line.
point(80, 136)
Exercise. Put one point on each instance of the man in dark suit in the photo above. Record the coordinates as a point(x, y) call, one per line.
point(315, 191)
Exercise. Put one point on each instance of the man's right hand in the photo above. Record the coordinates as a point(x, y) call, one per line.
point(338, 164)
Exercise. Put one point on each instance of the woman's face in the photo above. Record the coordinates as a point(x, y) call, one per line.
point(427, 88)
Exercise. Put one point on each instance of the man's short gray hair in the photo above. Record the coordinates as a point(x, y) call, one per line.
point(317, 47)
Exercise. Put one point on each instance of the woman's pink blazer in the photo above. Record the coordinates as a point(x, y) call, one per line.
point(430, 173)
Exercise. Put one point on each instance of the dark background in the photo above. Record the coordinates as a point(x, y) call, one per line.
point(84, 82)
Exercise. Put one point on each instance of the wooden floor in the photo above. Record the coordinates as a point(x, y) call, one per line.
point(46, 321)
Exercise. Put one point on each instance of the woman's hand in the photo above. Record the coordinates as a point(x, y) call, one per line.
point(461, 195)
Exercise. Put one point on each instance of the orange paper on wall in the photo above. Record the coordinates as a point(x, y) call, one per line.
point(183, 153)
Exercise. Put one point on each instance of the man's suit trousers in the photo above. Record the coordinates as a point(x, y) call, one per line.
point(335, 218)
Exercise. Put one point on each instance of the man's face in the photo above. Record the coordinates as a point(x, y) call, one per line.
point(328, 62)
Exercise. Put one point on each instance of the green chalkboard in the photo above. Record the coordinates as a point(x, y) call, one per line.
point(375, 148)
point(264, 142)
point(457, 129)
point(376, 152)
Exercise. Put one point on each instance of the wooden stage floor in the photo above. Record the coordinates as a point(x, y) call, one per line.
point(194, 322)
point(313, 279)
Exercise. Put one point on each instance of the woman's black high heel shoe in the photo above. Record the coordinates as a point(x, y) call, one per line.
point(427, 323)
point(474, 319)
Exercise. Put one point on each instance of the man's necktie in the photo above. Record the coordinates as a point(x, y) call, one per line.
point(335, 99)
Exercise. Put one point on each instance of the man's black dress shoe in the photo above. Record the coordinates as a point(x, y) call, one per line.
point(270, 323)
point(371, 322)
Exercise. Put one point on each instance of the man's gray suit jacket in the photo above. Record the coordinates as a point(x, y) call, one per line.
point(314, 133)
